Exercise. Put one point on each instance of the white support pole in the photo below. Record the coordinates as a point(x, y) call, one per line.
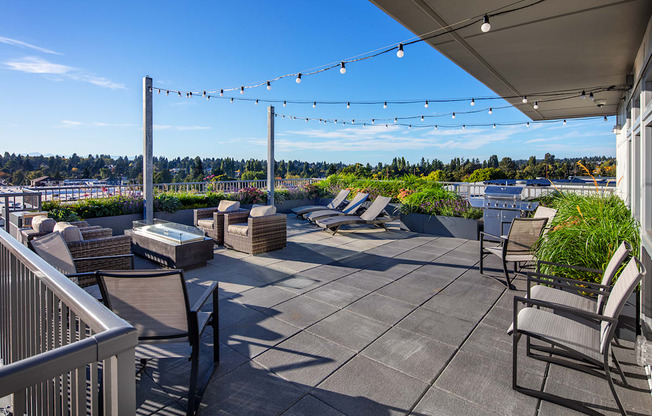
point(270, 155)
point(148, 152)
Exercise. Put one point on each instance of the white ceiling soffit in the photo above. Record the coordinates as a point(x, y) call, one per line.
point(552, 46)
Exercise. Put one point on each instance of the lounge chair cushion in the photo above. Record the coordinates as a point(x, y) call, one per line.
point(239, 229)
point(208, 223)
point(42, 224)
point(228, 206)
point(70, 233)
point(262, 211)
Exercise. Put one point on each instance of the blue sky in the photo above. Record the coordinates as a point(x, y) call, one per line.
point(71, 80)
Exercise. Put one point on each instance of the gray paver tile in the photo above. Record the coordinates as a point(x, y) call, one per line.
point(366, 387)
point(231, 312)
point(310, 406)
point(250, 390)
point(304, 359)
point(407, 292)
point(381, 308)
point(463, 300)
point(365, 281)
point(303, 311)
point(254, 336)
point(336, 294)
point(348, 329)
point(262, 298)
point(437, 402)
point(440, 327)
point(413, 354)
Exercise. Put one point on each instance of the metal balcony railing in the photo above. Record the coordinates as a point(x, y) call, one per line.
point(78, 192)
point(468, 190)
point(62, 351)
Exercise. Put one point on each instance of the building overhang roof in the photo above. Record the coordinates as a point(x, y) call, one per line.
point(551, 46)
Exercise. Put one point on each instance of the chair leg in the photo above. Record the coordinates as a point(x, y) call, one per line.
point(612, 386)
point(506, 274)
point(481, 258)
point(192, 391)
point(617, 365)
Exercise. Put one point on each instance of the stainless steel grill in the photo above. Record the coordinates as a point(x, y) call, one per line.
point(501, 205)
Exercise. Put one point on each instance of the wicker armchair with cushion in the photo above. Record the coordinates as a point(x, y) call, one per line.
point(211, 220)
point(41, 225)
point(256, 232)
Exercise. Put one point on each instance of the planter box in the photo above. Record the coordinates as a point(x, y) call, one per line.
point(441, 226)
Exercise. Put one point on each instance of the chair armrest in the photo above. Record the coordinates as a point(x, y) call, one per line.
point(562, 308)
point(564, 284)
point(116, 262)
point(534, 276)
point(199, 303)
point(119, 244)
point(569, 266)
point(269, 219)
point(498, 237)
point(94, 233)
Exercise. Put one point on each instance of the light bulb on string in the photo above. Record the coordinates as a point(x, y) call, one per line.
point(472, 102)
point(385, 105)
point(352, 121)
point(256, 101)
point(348, 105)
point(524, 100)
point(159, 91)
point(342, 68)
point(494, 125)
point(242, 89)
point(583, 95)
point(453, 116)
point(344, 123)
point(486, 26)
point(203, 95)
point(189, 95)
point(605, 118)
point(591, 96)
point(299, 78)
point(208, 97)
point(373, 121)
point(386, 126)
point(179, 93)
point(167, 92)
point(269, 85)
point(422, 118)
point(426, 104)
point(284, 103)
point(491, 110)
point(400, 52)
point(435, 127)
point(395, 120)
point(314, 104)
point(221, 93)
point(564, 122)
point(409, 126)
point(231, 99)
point(527, 124)
point(463, 126)
point(536, 105)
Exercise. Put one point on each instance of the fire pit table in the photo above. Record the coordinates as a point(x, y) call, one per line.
point(171, 244)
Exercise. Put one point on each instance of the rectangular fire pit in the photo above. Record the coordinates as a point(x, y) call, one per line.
point(171, 244)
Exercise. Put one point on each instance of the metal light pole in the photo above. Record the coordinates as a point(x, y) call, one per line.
point(148, 152)
point(270, 155)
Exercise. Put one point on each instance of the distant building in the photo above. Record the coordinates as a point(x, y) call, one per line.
point(44, 181)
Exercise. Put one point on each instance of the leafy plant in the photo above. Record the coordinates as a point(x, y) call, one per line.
point(439, 202)
point(586, 232)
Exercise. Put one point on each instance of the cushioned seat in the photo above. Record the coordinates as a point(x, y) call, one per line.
point(205, 223)
point(211, 220)
point(239, 229)
point(554, 295)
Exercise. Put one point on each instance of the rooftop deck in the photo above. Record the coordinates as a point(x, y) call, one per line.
point(370, 323)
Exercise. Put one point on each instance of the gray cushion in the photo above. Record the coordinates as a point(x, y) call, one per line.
point(70, 233)
point(42, 224)
point(262, 211)
point(239, 229)
point(205, 223)
point(228, 206)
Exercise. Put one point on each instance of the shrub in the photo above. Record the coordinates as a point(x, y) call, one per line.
point(585, 232)
point(485, 174)
point(439, 202)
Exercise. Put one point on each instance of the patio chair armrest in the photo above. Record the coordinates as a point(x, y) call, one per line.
point(562, 308)
point(94, 233)
point(115, 262)
point(541, 278)
point(569, 266)
point(202, 213)
point(499, 237)
point(199, 303)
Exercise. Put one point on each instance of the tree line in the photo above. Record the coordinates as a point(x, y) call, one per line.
point(20, 169)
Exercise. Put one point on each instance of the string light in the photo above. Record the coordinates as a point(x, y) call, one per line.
point(564, 122)
point(348, 105)
point(208, 97)
point(491, 110)
point(179, 93)
point(314, 104)
point(269, 85)
point(167, 92)
point(524, 100)
point(231, 99)
point(410, 126)
point(463, 126)
point(591, 96)
point(494, 125)
point(299, 78)
point(395, 120)
point(242, 90)
point(435, 127)
point(536, 105)
point(373, 121)
point(203, 95)
point(528, 124)
point(221, 93)
point(486, 26)
point(256, 101)
point(453, 116)
point(605, 118)
point(385, 105)
point(342, 68)
point(284, 103)
point(426, 104)
point(421, 118)
point(400, 52)
point(583, 95)
point(159, 91)
point(472, 102)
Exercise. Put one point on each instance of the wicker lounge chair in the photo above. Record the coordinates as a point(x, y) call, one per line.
point(53, 249)
point(517, 247)
point(211, 220)
point(135, 296)
point(350, 209)
point(246, 232)
point(574, 342)
point(583, 295)
point(374, 215)
point(334, 204)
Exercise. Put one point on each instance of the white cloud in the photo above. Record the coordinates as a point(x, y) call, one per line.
point(14, 42)
point(36, 65)
point(71, 123)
